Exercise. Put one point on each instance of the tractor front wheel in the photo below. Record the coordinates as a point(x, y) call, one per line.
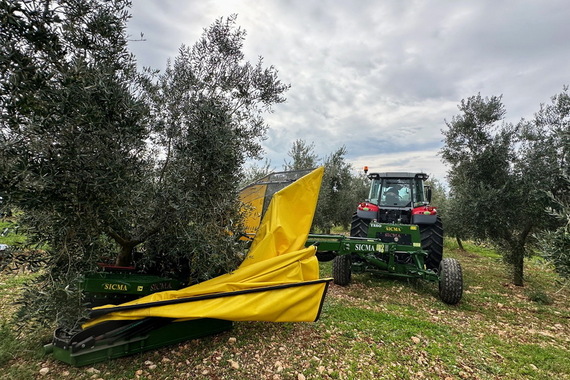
point(450, 281)
point(341, 270)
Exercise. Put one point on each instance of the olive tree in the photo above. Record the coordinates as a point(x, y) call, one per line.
point(302, 155)
point(496, 179)
point(339, 189)
point(548, 148)
point(104, 160)
point(554, 244)
point(72, 135)
point(207, 109)
point(336, 199)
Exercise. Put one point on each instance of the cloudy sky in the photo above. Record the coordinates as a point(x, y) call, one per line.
point(379, 77)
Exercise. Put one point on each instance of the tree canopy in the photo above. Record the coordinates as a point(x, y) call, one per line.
point(340, 190)
point(302, 155)
point(104, 159)
point(500, 175)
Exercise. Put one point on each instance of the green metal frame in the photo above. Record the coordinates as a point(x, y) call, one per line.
point(114, 339)
point(377, 256)
point(121, 342)
point(127, 283)
point(104, 288)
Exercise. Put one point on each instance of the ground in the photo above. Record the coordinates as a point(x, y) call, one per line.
point(373, 328)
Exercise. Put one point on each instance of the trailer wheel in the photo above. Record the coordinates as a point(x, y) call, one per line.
point(341, 270)
point(432, 241)
point(450, 281)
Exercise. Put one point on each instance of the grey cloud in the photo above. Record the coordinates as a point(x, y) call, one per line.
point(379, 77)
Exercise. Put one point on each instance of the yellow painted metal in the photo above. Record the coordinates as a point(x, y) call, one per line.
point(277, 257)
point(253, 197)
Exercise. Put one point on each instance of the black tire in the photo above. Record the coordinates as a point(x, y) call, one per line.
point(359, 226)
point(324, 256)
point(341, 267)
point(450, 281)
point(341, 270)
point(432, 241)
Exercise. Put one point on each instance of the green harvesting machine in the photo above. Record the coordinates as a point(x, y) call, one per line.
point(395, 232)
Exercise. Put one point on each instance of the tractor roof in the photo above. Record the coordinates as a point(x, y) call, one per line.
point(397, 175)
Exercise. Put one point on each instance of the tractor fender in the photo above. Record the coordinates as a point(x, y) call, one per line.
point(424, 219)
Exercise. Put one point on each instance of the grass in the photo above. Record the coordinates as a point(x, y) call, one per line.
point(9, 233)
point(373, 328)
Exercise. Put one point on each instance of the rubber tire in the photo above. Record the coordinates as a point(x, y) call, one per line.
point(359, 226)
point(325, 256)
point(450, 281)
point(432, 241)
point(341, 270)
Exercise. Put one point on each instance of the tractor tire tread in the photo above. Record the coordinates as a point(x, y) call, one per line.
point(341, 270)
point(432, 241)
point(359, 226)
point(450, 281)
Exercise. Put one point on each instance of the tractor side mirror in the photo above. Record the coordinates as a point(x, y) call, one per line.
point(428, 193)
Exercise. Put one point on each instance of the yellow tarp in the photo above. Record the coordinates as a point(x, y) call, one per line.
point(277, 258)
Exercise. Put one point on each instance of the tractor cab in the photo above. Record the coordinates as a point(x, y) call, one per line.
point(397, 189)
point(398, 197)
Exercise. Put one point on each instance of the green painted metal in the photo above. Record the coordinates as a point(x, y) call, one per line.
point(111, 340)
point(389, 249)
point(127, 283)
point(114, 287)
point(122, 342)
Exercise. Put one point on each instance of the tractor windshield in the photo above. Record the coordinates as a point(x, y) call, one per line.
point(396, 192)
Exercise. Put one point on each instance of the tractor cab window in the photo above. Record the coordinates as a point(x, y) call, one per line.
point(419, 192)
point(375, 191)
point(396, 192)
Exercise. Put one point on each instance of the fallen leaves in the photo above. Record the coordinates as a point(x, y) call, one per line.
point(349, 347)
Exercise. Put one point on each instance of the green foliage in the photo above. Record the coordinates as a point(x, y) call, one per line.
point(340, 190)
point(500, 175)
point(302, 156)
point(207, 109)
point(103, 160)
point(540, 297)
point(439, 196)
point(10, 233)
point(549, 139)
point(336, 199)
point(554, 245)
point(71, 130)
point(360, 186)
point(255, 172)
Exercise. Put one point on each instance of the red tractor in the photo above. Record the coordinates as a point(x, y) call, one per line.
point(401, 198)
point(395, 232)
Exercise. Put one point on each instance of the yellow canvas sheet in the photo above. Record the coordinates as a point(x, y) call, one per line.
point(277, 257)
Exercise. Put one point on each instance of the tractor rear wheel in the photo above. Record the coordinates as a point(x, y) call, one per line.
point(359, 226)
point(341, 270)
point(432, 241)
point(450, 281)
